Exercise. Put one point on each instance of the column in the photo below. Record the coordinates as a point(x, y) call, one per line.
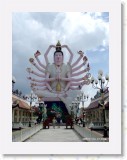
point(21, 116)
point(18, 115)
point(31, 116)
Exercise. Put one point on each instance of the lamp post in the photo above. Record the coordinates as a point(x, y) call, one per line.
point(83, 98)
point(77, 102)
point(101, 84)
point(31, 99)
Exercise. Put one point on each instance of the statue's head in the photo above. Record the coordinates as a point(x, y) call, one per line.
point(58, 55)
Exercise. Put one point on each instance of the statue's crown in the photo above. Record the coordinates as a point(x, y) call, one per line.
point(58, 46)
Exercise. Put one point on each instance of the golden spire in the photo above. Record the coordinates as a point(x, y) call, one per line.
point(58, 44)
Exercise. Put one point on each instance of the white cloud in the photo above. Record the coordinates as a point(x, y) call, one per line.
point(83, 31)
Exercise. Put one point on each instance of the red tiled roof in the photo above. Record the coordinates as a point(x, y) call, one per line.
point(95, 103)
point(20, 102)
point(92, 105)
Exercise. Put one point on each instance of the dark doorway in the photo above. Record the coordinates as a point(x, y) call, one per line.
point(56, 107)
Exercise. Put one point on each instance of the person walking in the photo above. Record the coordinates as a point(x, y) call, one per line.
point(54, 122)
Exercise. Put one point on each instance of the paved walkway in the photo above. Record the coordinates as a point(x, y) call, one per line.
point(55, 135)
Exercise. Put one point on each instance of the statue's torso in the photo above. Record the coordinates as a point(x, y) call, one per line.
point(54, 71)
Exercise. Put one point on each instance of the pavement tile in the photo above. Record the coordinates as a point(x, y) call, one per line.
point(55, 135)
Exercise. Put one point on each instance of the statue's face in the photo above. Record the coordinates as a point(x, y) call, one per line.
point(58, 58)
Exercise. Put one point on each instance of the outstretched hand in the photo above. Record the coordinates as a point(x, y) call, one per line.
point(29, 78)
point(81, 53)
point(85, 58)
point(37, 53)
point(29, 70)
point(88, 67)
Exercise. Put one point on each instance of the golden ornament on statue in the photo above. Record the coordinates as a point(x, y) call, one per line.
point(58, 87)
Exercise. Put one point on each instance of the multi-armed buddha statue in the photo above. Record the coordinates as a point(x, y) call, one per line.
point(59, 81)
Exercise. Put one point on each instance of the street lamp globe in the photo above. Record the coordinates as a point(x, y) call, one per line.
point(31, 92)
point(107, 77)
point(99, 77)
point(92, 79)
point(13, 82)
point(96, 81)
point(103, 80)
point(13, 79)
point(100, 72)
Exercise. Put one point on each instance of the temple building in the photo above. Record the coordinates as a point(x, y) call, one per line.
point(95, 112)
point(21, 112)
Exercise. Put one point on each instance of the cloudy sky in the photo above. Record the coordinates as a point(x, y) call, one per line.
point(88, 31)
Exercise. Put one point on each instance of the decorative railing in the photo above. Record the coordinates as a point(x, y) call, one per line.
point(97, 124)
point(89, 135)
point(23, 134)
point(18, 125)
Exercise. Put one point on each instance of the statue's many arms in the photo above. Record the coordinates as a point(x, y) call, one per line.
point(58, 80)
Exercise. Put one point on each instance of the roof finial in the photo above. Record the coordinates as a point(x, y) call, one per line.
point(58, 44)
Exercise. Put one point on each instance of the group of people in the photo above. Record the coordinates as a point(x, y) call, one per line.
point(56, 121)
